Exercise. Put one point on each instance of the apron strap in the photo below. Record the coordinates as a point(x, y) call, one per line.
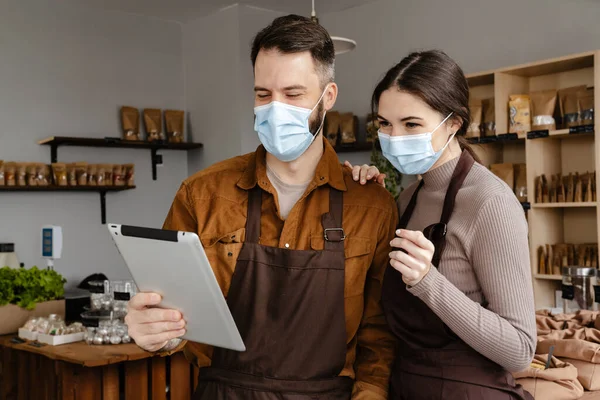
point(254, 212)
point(333, 232)
point(461, 171)
point(405, 218)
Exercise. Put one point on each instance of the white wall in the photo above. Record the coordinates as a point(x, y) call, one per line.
point(220, 82)
point(65, 70)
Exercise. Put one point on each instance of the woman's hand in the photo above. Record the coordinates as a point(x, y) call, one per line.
point(366, 173)
point(415, 261)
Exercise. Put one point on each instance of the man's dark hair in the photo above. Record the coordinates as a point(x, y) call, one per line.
point(296, 34)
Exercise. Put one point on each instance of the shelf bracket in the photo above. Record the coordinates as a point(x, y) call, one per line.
point(103, 206)
point(53, 153)
point(156, 159)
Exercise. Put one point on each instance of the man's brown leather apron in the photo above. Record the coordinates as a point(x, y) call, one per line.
point(289, 308)
point(432, 362)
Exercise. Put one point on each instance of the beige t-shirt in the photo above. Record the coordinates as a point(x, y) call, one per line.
point(287, 194)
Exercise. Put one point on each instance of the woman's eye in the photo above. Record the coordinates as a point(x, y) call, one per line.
point(262, 96)
point(384, 124)
point(294, 95)
point(412, 125)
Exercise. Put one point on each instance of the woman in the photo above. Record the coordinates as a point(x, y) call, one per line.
point(458, 296)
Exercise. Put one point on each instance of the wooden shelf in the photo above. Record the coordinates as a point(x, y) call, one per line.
point(111, 142)
point(552, 66)
point(560, 151)
point(502, 139)
point(65, 188)
point(585, 131)
point(358, 147)
point(548, 277)
point(95, 189)
point(566, 205)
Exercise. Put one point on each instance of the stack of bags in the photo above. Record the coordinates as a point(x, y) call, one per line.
point(572, 343)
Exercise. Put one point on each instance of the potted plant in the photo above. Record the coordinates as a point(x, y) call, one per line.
point(393, 180)
point(26, 293)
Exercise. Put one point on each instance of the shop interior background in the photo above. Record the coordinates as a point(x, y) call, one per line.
point(68, 65)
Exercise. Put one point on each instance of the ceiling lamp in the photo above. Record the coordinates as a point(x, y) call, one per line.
point(340, 44)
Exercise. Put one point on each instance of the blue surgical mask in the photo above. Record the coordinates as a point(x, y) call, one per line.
point(411, 154)
point(284, 129)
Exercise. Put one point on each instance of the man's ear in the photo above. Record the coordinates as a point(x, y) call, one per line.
point(330, 96)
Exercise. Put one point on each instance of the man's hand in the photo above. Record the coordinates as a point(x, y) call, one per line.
point(152, 328)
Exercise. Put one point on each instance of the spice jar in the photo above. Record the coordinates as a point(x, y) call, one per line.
point(578, 288)
point(123, 291)
point(101, 298)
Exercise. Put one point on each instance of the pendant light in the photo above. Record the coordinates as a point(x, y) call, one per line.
point(340, 44)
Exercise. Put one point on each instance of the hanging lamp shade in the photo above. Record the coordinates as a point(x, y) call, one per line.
point(341, 45)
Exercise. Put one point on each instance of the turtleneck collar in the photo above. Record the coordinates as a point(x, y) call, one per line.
point(439, 178)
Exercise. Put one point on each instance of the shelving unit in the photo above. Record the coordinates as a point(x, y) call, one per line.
point(357, 147)
point(546, 152)
point(56, 141)
point(102, 190)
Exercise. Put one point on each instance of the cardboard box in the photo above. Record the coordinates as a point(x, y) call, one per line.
point(60, 339)
point(14, 317)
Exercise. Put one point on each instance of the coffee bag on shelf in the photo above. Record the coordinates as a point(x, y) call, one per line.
point(129, 174)
point(489, 117)
point(174, 121)
point(543, 104)
point(153, 124)
point(585, 99)
point(130, 121)
point(60, 174)
point(32, 174)
point(520, 114)
point(569, 106)
point(474, 128)
point(348, 128)
point(332, 127)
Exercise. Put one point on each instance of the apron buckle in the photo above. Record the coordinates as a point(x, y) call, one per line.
point(342, 234)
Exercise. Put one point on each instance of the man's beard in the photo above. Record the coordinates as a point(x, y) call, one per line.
point(315, 123)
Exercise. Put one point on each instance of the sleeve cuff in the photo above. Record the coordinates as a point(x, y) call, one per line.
point(173, 346)
point(366, 391)
point(426, 284)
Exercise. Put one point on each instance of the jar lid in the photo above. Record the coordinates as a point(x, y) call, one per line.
point(578, 271)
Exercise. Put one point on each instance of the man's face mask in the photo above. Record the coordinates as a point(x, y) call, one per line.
point(284, 130)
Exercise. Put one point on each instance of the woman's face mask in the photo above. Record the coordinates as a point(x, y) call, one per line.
point(409, 132)
point(412, 154)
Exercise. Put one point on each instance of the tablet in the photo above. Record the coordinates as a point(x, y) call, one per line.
point(174, 264)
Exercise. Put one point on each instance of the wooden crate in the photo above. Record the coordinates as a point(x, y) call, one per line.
point(81, 372)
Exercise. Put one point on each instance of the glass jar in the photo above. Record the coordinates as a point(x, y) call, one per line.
point(578, 289)
point(123, 291)
point(56, 326)
point(101, 298)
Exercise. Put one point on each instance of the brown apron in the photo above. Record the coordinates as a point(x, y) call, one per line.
point(289, 308)
point(432, 362)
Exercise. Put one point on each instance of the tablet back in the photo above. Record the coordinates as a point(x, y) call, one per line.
point(175, 265)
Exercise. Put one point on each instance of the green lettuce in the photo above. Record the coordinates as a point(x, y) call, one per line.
point(27, 287)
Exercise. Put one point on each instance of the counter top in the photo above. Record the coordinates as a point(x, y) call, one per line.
point(81, 353)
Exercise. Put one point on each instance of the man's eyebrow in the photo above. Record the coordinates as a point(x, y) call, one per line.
point(295, 87)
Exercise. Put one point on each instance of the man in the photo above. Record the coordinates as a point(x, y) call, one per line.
point(297, 246)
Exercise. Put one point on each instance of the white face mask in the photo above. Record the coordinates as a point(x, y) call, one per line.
point(284, 129)
point(412, 154)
